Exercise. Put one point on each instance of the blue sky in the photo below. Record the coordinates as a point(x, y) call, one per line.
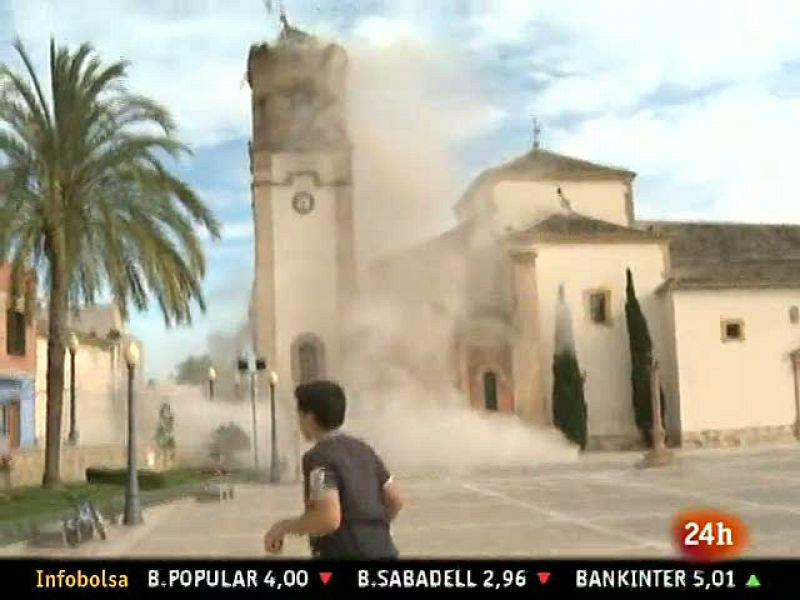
point(701, 99)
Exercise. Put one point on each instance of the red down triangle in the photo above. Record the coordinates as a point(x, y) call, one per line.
point(543, 577)
point(325, 576)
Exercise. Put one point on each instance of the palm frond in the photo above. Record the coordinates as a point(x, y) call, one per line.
point(41, 109)
point(87, 184)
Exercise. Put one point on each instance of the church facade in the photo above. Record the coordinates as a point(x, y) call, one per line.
point(721, 300)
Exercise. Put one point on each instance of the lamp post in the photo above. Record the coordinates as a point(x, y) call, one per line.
point(212, 376)
point(244, 367)
point(72, 343)
point(133, 510)
point(274, 474)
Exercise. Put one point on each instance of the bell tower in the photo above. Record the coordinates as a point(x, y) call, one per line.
point(302, 200)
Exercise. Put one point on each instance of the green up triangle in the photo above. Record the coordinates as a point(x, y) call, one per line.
point(753, 582)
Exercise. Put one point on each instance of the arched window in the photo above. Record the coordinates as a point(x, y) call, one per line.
point(308, 359)
point(490, 391)
point(309, 362)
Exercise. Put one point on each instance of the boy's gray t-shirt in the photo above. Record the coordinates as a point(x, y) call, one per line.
point(345, 463)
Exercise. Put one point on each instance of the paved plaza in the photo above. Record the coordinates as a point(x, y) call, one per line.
point(600, 506)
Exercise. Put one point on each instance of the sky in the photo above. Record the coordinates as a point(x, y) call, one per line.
point(701, 99)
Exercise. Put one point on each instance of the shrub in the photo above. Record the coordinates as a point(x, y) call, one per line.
point(148, 480)
point(227, 442)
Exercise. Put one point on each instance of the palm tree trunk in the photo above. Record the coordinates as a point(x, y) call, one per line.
point(56, 347)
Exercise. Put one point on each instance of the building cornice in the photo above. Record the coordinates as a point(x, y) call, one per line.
point(600, 238)
point(674, 284)
point(523, 255)
point(292, 175)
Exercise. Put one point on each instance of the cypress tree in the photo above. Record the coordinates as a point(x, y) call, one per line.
point(569, 404)
point(641, 348)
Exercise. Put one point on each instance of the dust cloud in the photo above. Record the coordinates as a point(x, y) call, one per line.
point(400, 117)
point(406, 114)
point(565, 338)
point(197, 417)
point(402, 368)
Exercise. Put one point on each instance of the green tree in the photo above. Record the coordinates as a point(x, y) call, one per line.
point(165, 433)
point(193, 370)
point(89, 203)
point(227, 442)
point(569, 404)
point(641, 349)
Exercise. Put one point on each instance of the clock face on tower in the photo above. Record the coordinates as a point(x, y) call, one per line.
point(303, 203)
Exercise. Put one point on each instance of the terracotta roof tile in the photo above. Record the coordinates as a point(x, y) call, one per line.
point(574, 224)
point(547, 165)
point(731, 255)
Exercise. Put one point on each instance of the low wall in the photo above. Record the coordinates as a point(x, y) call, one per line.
point(709, 438)
point(28, 466)
point(748, 436)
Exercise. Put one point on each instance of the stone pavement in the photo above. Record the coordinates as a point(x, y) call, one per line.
point(598, 506)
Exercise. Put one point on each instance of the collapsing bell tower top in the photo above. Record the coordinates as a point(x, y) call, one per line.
point(298, 88)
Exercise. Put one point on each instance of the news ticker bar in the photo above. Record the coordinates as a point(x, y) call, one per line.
point(395, 579)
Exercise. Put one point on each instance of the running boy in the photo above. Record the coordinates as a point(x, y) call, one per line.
point(349, 495)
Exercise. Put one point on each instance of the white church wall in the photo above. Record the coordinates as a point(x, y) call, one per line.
point(306, 265)
point(736, 384)
point(519, 203)
point(663, 333)
point(603, 350)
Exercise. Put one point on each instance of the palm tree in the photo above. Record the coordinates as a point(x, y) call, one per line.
point(89, 205)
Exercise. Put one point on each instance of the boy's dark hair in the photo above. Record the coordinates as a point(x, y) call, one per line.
point(323, 399)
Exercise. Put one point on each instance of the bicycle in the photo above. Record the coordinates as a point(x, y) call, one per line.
point(83, 524)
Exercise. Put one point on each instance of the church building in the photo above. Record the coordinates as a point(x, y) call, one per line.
point(721, 300)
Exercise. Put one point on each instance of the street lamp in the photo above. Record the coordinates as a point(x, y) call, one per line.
point(212, 376)
point(274, 475)
point(72, 343)
point(133, 510)
point(243, 365)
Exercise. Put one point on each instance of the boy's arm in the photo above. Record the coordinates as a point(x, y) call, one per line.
point(323, 513)
point(322, 516)
point(392, 498)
